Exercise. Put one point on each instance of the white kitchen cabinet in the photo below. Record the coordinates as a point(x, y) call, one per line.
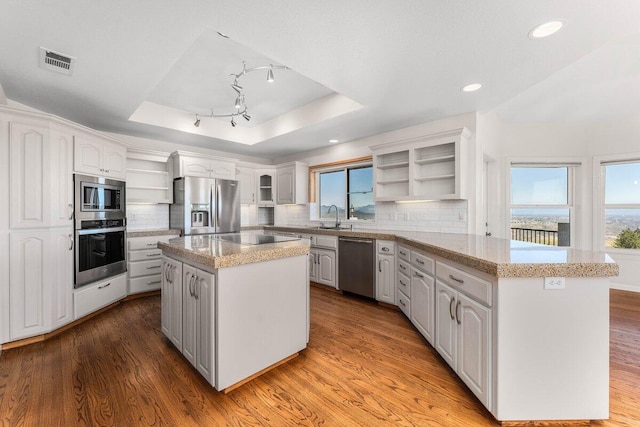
point(422, 303)
point(313, 263)
point(463, 329)
point(63, 276)
point(247, 178)
point(198, 342)
point(171, 301)
point(431, 167)
point(193, 164)
point(292, 184)
point(322, 259)
point(326, 267)
point(144, 263)
point(30, 283)
point(149, 177)
point(99, 157)
point(61, 176)
point(95, 296)
point(385, 274)
point(29, 168)
point(266, 186)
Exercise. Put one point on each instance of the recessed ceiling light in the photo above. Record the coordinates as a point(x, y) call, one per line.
point(333, 141)
point(472, 87)
point(546, 29)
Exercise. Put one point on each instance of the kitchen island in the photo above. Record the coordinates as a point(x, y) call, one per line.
point(525, 326)
point(235, 308)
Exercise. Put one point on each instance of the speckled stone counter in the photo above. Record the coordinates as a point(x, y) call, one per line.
point(148, 233)
point(498, 257)
point(214, 253)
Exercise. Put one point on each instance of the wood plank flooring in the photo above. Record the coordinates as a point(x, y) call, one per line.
point(365, 366)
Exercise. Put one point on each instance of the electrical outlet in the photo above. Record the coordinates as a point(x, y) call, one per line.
point(554, 282)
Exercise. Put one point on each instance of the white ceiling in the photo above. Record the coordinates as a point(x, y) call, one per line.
point(386, 64)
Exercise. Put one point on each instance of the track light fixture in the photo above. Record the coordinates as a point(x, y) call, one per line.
point(240, 104)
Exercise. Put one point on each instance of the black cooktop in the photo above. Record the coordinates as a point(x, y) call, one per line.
point(253, 239)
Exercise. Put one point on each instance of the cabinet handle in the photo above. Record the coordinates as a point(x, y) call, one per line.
point(71, 242)
point(402, 283)
point(104, 286)
point(402, 303)
point(195, 287)
point(380, 266)
point(403, 267)
point(452, 277)
point(153, 266)
point(402, 253)
point(152, 244)
point(419, 261)
point(451, 308)
point(457, 316)
point(150, 255)
point(172, 272)
point(101, 170)
point(253, 197)
point(70, 211)
point(106, 170)
point(419, 275)
point(385, 249)
point(154, 282)
point(166, 272)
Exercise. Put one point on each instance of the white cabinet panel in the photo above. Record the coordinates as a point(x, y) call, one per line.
point(62, 283)
point(446, 329)
point(385, 279)
point(93, 297)
point(171, 301)
point(292, 184)
point(29, 174)
point(189, 313)
point(61, 177)
point(115, 160)
point(285, 179)
point(326, 267)
point(247, 179)
point(100, 157)
point(30, 283)
point(422, 304)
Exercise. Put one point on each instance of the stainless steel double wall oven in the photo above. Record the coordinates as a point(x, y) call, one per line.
point(100, 222)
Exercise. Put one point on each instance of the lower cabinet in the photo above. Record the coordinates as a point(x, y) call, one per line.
point(144, 263)
point(422, 304)
point(62, 289)
point(386, 272)
point(463, 338)
point(171, 300)
point(323, 270)
point(97, 295)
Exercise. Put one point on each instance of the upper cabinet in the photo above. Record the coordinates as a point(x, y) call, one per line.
point(96, 156)
point(149, 177)
point(246, 176)
point(292, 184)
point(431, 167)
point(193, 164)
point(266, 186)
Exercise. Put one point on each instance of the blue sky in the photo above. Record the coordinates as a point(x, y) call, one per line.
point(623, 183)
point(333, 187)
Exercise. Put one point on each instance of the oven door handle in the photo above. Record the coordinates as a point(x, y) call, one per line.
point(100, 230)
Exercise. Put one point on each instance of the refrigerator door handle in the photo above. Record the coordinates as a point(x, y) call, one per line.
point(218, 205)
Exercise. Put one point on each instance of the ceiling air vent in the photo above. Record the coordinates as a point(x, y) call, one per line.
point(56, 61)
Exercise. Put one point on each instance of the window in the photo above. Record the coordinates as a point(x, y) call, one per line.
point(621, 204)
point(541, 204)
point(350, 189)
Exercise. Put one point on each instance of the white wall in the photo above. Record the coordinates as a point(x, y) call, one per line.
point(3, 97)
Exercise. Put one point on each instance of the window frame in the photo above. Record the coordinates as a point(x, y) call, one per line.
point(573, 190)
point(599, 205)
point(335, 168)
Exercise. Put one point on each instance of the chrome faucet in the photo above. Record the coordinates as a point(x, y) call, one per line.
point(337, 219)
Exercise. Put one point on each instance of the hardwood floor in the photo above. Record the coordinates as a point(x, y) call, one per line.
point(365, 366)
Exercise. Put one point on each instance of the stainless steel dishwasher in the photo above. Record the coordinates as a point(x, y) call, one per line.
point(356, 260)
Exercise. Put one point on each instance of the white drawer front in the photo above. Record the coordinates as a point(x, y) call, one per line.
point(404, 302)
point(404, 267)
point(422, 262)
point(385, 247)
point(93, 297)
point(404, 253)
point(145, 284)
point(144, 255)
point(145, 268)
point(147, 242)
point(330, 242)
point(404, 284)
point(466, 283)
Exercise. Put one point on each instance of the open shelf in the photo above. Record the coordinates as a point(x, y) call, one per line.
point(435, 177)
point(436, 159)
point(393, 165)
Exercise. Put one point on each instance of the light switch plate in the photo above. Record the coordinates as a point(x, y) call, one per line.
point(554, 282)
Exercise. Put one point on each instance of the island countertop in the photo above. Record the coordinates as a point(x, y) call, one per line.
point(495, 256)
point(208, 250)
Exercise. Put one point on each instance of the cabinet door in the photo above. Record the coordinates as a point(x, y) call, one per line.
point(166, 296)
point(189, 313)
point(285, 179)
point(265, 187)
point(474, 340)
point(61, 178)
point(446, 327)
point(62, 289)
point(193, 166)
point(313, 265)
point(246, 177)
point(87, 155)
point(29, 284)
point(29, 175)
point(326, 273)
point(114, 160)
point(422, 304)
point(385, 279)
point(205, 342)
point(172, 301)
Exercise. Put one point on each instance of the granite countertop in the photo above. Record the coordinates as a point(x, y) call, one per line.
point(498, 257)
point(209, 251)
point(158, 232)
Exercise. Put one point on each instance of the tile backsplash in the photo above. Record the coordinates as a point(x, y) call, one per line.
point(147, 217)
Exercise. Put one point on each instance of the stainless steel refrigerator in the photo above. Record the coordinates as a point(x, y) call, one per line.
point(205, 206)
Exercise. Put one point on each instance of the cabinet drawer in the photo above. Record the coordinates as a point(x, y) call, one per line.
point(148, 242)
point(144, 255)
point(329, 242)
point(404, 267)
point(466, 283)
point(404, 302)
point(404, 253)
point(93, 297)
point(422, 262)
point(404, 284)
point(385, 247)
point(145, 284)
point(144, 268)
